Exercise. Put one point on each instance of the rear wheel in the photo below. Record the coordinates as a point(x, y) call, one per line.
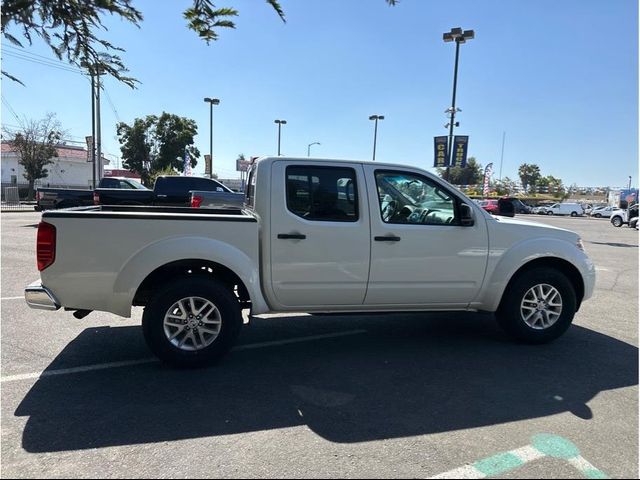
point(574, 214)
point(192, 322)
point(549, 212)
point(616, 221)
point(538, 306)
point(598, 215)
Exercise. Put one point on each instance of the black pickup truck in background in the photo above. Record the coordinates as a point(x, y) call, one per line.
point(168, 191)
point(54, 198)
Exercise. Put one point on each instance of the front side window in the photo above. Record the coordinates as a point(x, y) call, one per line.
point(413, 199)
point(327, 194)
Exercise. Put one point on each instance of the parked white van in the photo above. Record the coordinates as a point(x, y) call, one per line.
point(573, 209)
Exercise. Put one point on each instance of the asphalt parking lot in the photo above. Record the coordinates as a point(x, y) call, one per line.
point(374, 396)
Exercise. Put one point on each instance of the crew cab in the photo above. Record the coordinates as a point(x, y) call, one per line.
point(168, 190)
point(315, 236)
point(54, 198)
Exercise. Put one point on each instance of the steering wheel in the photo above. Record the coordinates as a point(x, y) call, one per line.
point(389, 210)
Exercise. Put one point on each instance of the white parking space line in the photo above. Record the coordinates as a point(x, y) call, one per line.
point(103, 366)
point(21, 297)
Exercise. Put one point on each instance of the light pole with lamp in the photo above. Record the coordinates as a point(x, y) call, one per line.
point(211, 102)
point(309, 148)
point(375, 132)
point(280, 123)
point(460, 37)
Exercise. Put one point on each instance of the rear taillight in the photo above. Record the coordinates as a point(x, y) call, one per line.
point(96, 198)
point(196, 201)
point(46, 245)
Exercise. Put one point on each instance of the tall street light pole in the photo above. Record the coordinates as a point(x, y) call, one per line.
point(309, 148)
point(460, 37)
point(280, 123)
point(375, 132)
point(211, 102)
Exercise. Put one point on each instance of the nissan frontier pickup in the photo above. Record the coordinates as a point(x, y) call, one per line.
point(313, 236)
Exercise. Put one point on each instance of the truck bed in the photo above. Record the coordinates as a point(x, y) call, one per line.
point(103, 253)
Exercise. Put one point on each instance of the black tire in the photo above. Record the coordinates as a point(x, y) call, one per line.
point(616, 221)
point(574, 214)
point(549, 212)
point(509, 314)
point(597, 215)
point(209, 289)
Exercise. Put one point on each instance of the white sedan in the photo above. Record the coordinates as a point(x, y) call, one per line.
point(602, 212)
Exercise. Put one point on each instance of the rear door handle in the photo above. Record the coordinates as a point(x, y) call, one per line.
point(389, 238)
point(291, 236)
point(161, 196)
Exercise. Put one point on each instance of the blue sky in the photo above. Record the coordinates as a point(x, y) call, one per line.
point(559, 77)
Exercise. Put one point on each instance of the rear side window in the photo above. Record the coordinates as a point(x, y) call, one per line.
point(328, 194)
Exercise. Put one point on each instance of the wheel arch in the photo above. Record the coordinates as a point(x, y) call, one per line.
point(565, 267)
point(189, 268)
point(177, 255)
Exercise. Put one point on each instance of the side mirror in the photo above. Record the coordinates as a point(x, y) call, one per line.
point(466, 217)
point(506, 208)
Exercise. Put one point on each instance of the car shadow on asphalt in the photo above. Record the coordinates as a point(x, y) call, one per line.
point(406, 375)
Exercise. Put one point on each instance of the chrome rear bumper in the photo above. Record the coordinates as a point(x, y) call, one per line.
point(40, 297)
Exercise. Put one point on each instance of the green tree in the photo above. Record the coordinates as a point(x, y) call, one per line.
point(506, 186)
point(155, 143)
point(529, 176)
point(472, 174)
point(35, 143)
point(168, 171)
point(552, 185)
point(69, 28)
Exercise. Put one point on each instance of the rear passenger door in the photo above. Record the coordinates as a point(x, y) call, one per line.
point(320, 236)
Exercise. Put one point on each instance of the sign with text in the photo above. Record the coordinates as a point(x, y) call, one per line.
point(242, 165)
point(441, 156)
point(460, 144)
point(207, 164)
point(89, 140)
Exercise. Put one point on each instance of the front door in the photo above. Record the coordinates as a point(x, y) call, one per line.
point(320, 236)
point(420, 253)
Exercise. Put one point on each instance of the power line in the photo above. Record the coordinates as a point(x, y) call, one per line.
point(115, 112)
point(44, 63)
point(6, 103)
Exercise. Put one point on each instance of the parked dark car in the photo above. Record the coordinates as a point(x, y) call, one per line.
point(518, 205)
point(54, 198)
point(168, 191)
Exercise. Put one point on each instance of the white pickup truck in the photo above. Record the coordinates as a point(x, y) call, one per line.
point(313, 236)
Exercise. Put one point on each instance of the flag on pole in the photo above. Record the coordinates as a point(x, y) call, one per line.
point(487, 176)
point(187, 163)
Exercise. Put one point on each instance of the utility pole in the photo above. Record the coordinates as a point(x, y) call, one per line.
point(93, 126)
point(211, 102)
point(280, 123)
point(460, 37)
point(375, 132)
point(98, 128)
point(502, 154)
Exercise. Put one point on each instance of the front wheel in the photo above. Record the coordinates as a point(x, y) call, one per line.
point(538, 306)
point(192, 322)
point(574, 214)
point(616, 221)
point(549, 212)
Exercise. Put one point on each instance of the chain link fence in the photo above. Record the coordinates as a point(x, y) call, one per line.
point(14, 197)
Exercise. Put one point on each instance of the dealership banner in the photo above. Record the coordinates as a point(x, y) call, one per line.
point(441, 158)
point(460, 144)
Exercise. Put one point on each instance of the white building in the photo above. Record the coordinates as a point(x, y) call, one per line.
point(70, 169)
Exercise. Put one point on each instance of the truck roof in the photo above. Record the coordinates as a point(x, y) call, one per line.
point(337, 160)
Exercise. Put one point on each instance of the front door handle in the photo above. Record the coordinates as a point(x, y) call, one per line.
point(291, 236)
point(389, 238)
point(161, 196)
